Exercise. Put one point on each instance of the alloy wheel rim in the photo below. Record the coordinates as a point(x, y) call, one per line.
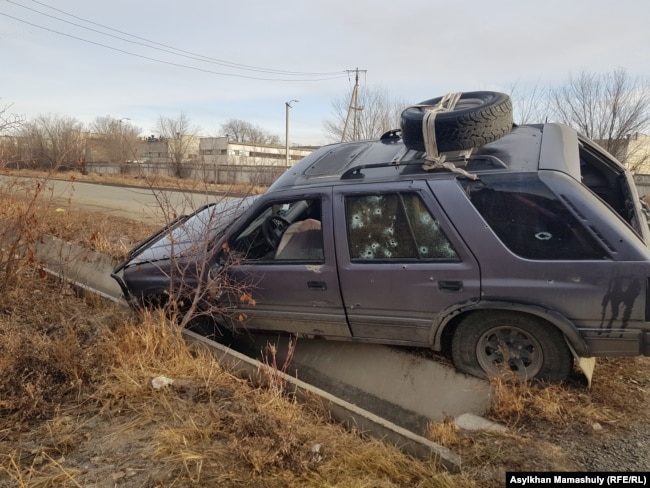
point(507, 349)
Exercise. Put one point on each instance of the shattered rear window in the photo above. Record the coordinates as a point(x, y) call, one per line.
point(530, 220)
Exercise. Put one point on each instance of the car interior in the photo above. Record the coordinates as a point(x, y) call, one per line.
point(284, 231)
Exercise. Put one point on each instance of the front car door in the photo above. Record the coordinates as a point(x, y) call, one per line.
point(285, 256)
point(401, 263)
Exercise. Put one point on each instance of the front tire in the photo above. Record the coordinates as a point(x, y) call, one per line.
point(209, 328)
point(493, 343)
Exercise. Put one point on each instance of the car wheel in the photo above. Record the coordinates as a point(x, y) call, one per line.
point(478, 118)
point(490, 344)
point(208, 327)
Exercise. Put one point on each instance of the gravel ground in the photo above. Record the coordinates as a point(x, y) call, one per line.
point(625, 449)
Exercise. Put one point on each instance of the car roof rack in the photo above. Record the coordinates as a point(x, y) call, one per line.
point(472, 163)
point(355, 173)
point(392, 135)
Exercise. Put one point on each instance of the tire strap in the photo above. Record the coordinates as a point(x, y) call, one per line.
point(435, 160)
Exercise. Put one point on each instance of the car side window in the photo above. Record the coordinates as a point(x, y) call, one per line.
point(394, 227)
point(283, 231)
point(530, 220)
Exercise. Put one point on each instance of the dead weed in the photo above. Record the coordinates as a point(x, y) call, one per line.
point(99, 420)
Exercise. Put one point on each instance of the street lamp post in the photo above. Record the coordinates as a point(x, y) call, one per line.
point(288, 106)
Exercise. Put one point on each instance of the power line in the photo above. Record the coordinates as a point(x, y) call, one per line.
point(180, 52)
point(338, 75)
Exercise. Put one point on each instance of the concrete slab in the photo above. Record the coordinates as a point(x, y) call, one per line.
point(75, 263)
point(393, 383)
point(345, 412)
point(469, 421)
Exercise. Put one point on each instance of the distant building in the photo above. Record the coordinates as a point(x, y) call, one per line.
point(162, 150)
point(153, 149)
point(220, 150)
point(636, 154)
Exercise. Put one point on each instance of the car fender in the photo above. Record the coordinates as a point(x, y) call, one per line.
point(448, 317)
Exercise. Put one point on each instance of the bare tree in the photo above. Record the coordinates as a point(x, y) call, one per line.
point(530, 104)
point(180, 134)
point(609, 108)
point(115, 140)
point(245, 132)
point(376, 113)
point(9, 122)
point(53, 141)
point(10, 153)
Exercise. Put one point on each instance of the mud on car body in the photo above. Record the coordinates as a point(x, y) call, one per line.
point(525, 249)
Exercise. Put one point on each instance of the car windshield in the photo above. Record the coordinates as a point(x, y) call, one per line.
point(196, 232)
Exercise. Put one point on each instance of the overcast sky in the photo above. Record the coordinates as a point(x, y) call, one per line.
point(216, 60)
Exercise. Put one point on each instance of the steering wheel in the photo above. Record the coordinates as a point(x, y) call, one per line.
point(273, 228)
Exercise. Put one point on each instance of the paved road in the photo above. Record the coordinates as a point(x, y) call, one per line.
point(137, 203)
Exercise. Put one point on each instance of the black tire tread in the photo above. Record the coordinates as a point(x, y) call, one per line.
point(558, 360)
point(463, 129)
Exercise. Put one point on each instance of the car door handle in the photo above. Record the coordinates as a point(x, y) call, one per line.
point(317, 285)
point(450, 285)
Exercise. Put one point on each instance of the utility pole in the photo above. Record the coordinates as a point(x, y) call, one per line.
point(122, 158)
point(354, 99)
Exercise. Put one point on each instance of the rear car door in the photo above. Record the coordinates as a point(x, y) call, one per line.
point(401, 263)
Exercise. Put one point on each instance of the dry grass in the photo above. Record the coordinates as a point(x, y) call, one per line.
point(620, 385)
point(112, 236)
point(79, 409)
point(536, 415)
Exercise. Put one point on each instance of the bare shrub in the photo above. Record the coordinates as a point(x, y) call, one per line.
point(275, 373)
point(200, 293)
point(19, 226)
point(45, 354)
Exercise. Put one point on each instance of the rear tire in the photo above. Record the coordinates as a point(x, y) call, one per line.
point(493, 343)
point(478, 118)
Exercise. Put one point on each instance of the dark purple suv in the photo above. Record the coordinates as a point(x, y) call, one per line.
point(522, 253)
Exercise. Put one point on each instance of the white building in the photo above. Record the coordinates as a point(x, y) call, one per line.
point(220, 150)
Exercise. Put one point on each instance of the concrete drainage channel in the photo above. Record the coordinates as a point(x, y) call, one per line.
point(382, 391)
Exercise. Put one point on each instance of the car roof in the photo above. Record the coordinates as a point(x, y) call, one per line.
point(527, 148)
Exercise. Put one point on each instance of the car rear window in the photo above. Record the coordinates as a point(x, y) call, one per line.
point(530, 220)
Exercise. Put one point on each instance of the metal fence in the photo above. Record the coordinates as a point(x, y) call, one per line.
point(210, 173)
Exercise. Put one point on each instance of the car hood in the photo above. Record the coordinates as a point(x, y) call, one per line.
point(188, 234)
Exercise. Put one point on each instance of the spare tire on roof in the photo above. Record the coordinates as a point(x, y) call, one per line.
point(478, 118)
